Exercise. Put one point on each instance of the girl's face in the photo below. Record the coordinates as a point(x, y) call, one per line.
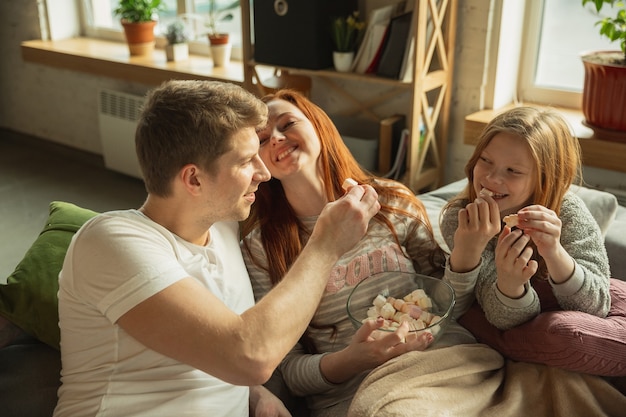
point(289, 143)
point(506, 168)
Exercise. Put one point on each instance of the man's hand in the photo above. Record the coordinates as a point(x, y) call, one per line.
point(344, 222)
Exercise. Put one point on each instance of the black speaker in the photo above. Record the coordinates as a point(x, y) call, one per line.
point(296, 33)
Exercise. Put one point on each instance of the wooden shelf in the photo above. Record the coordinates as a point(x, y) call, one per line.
point(596, 152)
point(112, 59)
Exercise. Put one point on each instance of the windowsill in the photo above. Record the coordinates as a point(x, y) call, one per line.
point(112, 59)
point(595, 152)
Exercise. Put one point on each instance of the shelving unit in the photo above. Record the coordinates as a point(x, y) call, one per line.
point(429, 104)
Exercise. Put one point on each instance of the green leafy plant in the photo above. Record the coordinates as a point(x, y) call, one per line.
point(613, 28)
point(135, 11)
point(346, 32)
point(176, 33)
point(220, 11)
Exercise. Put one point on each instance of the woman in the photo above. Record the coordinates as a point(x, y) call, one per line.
point(309, 162)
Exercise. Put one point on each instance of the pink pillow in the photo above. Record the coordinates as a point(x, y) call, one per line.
point(569, 340)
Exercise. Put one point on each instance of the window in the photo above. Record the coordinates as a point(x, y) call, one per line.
point(557, 32)
point(101, 21)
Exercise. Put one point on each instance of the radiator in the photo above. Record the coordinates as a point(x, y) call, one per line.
point(117, 117)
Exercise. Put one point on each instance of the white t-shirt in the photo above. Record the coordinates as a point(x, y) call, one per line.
point(116, 261)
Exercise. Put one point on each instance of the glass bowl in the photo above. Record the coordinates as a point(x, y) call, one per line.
point(370, 298)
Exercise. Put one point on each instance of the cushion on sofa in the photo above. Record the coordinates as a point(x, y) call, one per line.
point(570, 340)
point(29, 298)
point(602, 205)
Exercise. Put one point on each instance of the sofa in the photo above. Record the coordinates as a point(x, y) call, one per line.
point(29, 355)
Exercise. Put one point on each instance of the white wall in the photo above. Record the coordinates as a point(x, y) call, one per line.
point(61, 105)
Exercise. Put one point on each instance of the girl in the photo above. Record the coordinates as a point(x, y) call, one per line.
point(524, 164)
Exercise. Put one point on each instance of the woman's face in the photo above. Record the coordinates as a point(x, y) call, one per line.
point(289, 143)
point(506, 168)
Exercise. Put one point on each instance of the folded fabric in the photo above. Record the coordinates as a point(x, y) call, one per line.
point(570, 340)
point(474, 381)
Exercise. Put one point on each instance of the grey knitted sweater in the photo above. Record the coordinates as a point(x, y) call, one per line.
point(587, 290)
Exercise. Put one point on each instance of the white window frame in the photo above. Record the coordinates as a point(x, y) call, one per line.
point(197, 47)
point(527, 90)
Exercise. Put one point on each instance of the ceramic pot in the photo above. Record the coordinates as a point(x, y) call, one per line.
point(604, 95)
point(177, 52)
point(343, 61)
point(220, 49)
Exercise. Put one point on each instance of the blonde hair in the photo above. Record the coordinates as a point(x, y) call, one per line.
point(554, 149)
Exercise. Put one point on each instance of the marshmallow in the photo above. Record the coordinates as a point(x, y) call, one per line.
point(348, 183)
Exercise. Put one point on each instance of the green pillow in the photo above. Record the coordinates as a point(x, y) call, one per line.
point(29, 298)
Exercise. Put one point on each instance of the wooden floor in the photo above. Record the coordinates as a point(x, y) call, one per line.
point(34, 172)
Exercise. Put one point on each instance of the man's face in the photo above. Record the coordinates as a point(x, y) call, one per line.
point(237, 176)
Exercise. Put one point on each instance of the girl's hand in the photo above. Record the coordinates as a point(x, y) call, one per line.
point(543, 226)
point(513, 263)
point(479, 222)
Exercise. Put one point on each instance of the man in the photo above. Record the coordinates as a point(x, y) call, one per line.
point(155, 305)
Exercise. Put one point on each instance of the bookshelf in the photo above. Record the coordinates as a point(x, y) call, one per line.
point(428, 108)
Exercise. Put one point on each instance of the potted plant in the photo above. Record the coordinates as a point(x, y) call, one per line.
point(220, 11)
point(177, 48)
point(346, 34)
point(604, 90)
point(138, 19)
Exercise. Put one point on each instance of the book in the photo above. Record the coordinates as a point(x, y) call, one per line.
point(408, 62)
point(395, 46)
point(390, 131)
point(373, 66)
point(372, 39)
point(372, 56)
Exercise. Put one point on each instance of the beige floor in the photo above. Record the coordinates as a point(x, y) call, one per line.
point(34, 172)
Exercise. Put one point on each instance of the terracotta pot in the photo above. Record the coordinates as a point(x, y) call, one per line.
point(219, 39)
point(604, 95)
point(140, 37)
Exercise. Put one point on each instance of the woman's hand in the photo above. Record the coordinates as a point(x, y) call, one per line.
point(369, 348)
point(479, 222)
point(513, 262)
point(265, 404)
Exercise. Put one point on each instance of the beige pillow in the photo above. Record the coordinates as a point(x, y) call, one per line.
point(602, 205)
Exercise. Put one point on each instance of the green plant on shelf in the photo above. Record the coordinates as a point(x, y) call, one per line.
point(347, 32)
point(136, 11)
point(613, 28)
point(176, 33)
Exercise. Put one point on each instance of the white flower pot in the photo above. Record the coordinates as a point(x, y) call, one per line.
point(220, 49)
point(221, 54)
point(343, 61)
point(177, 52)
